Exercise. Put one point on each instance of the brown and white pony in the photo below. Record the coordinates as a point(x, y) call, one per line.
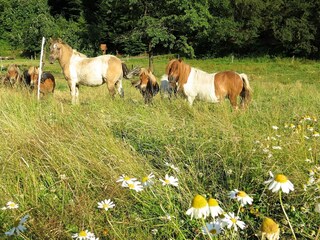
point(212, 87)
point(13, 76)
point(81, 70)
point(47, 81)
point(147, 84)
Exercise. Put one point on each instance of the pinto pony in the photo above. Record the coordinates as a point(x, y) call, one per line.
point(81, 70)
point(212, 87)
point(47, 81)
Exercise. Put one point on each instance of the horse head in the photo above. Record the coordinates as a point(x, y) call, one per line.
point(34, 75)
point(13, 74)
point(55, 46)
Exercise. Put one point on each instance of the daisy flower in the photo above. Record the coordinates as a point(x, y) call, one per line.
point(147, 181)
point(106, 204)
point(279, 181)
point(10, 205)
point(124, 179)
point(136, 185)
point(169, 180)
point(230, 220)
point(241, 196)
point(214, 208)
point(84, 235)
point(199, 207)
point(172, 166)
point(18, 228)
point(269, 229)
point(212, 228)
point(275, 127)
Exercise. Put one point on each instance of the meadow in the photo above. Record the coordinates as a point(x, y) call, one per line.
point(59, 160)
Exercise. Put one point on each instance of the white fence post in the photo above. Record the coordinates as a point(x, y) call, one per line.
point(40, 67)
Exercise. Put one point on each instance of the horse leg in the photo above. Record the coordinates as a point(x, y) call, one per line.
point(120, 89)
point(233, 101)
point(74, 91)
point(111, 88)
point(190, 100)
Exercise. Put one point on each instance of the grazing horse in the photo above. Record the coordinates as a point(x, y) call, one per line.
point(47, 81)
point(81, 70)
point(212, 87)
point(13, 76)
point(147, 84)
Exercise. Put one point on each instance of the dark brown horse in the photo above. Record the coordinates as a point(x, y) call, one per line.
point(212, 87)
point(47, 81)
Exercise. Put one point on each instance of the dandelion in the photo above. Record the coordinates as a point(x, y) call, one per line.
point(18, 227)
point(269, 230)
point(199, 208)
point(106, 204)
point(125, 180)
point(214, 208)
point(136, 185)
point(147, 181)
point(278, 182)
point(169, 180)
point(84, 235)
point(241, 196)
point(212, 229)
point(230, 220)
point(10, 205)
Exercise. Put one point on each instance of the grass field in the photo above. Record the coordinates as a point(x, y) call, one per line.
point(59, 160)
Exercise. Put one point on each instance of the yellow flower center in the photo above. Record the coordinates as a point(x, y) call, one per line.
point(213, 231)
point(12, 205)
point(269, 226)
point(131, 185)
point(213, 202)
point(167, 181)
point(233, 220)
point(145, 179)
point(105, 205)
point(281, 178)
point(199, 202)
point(82, 234)
point(126, 178)
point(241, 194)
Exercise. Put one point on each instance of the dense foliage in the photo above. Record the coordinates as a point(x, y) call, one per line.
point(190, 28)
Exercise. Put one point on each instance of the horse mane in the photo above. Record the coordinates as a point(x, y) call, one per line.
point(149, 74)
point(75, 52)
point(182, 71)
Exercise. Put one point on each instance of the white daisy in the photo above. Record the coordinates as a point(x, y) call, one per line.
point(84, 235)
point(276, 147)
point(10, 205)
point(172, 166)
point(269, 229)
point(106, 204)
point(231, 220)
point(212, 228)
point(124, 179)
point(147, 181)
point(199, 207)
point(136, 185)
point(214, 208)
point(275, 127)
point(241, 196)
point(18, 228)
point(169, 180)
point(278, 182)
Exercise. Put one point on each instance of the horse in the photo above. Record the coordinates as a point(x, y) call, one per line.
point(166, 89)
point(147, 84)
point(78, 69)
point(47, 81)
point(211, 87)
point(13, 76)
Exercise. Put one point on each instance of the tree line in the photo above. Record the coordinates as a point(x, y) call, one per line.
point(198, 28)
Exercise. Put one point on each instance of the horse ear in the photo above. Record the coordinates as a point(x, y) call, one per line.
point(180, 59)
point(59, 40)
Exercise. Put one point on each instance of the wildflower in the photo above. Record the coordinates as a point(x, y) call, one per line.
point(230, 220)
point(241, 196)
point(275, 127)
point(125, 180)
point(212, 228)
point(316, 134)
point(214, 208)
point(317, 207)
point(169, 180)
point(106, 204)
point(276, 147)
point(147, 181)
point(172, 166)
point(84, 235)
point(18, 227)
point(269, 229)
point(279, 181)
point(10, 205)
point(154, 231)
point(199, 207)
point(136, 185)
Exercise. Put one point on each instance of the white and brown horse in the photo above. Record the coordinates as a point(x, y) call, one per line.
point(81, 70)
point(212, 87)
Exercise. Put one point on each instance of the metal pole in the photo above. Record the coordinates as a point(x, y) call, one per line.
point(40, 67)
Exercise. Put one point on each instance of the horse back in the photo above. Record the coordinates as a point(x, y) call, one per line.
point(227, 83)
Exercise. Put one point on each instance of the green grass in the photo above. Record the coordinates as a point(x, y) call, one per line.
point(58, 160)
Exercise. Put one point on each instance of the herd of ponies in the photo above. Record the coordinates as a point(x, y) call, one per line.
point(179, 78)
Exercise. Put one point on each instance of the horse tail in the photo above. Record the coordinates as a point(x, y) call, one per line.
point(129, 74)
point(246, 93)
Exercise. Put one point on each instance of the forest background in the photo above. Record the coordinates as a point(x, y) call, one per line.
point(198, 28)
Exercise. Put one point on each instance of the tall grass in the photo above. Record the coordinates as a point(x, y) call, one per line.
point(58, 160)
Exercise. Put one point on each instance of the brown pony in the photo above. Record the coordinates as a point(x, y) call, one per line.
point(214, 87)
point(13, 76)
point(81, 70)
point(47, 81)
point(147, 84)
